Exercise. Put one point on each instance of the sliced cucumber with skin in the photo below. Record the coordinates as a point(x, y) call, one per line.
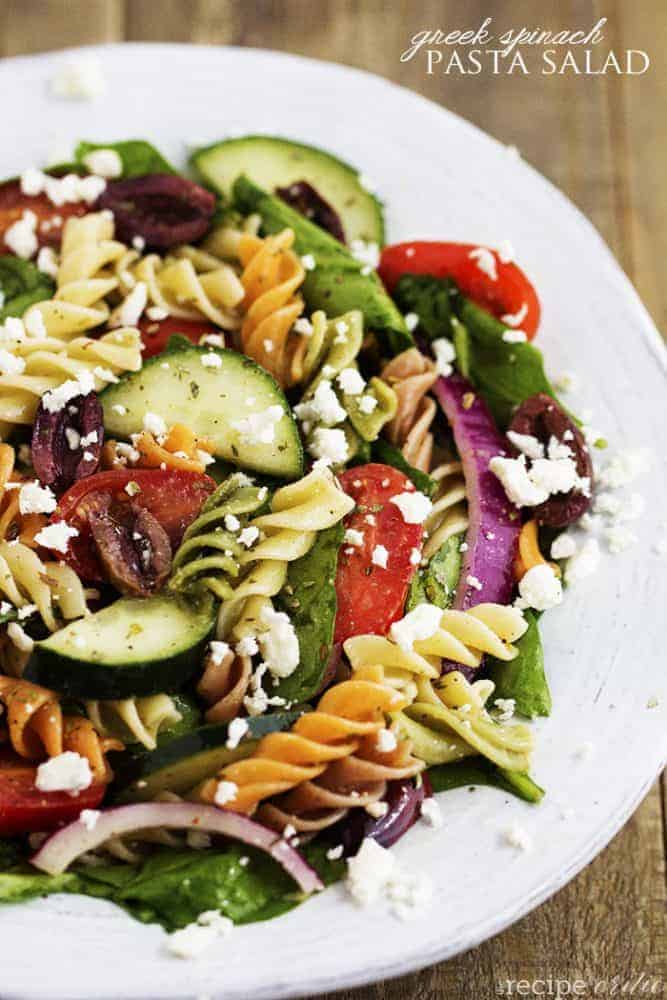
point(209, 400)
point(272, 162)
point(179, 764)
point(136, 646)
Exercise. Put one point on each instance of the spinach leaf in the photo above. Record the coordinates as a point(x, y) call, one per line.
point(382, 451)
point(21, 284)
point(505, 374)
point(480, 771)
point(431, 299)
point(21, 885)
point(523, 678)
point(437, 582)
point(138, 156)
point(309, 598)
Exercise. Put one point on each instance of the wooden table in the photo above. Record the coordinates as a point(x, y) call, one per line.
point(601, 139)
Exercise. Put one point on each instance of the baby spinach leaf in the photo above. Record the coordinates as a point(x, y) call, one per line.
point(21, 284)
point(309, 598)
point(138, 157)
point(431, 299)
point(505, 374)
point(19, 886)
point(480, 771)
point(436, 583)
point(382, 451)
point(523, 678)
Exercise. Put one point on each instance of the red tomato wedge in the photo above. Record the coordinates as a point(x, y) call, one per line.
point(370, 597)
point(173, 497)
point(511, 294)
point(156, 333)
point(24, 809)
point(50, 217)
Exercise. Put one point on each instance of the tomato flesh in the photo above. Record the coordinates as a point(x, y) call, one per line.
point(370, 597)
point(24, 809)
point(510, 294)
point(50, 217)
point(156, 333)
point(173, 496)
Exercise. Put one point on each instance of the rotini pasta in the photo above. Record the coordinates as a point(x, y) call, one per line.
point(181, 449)
point(38, 729)
point(335, 730)
point(134, 720)
point(411, 375)
point(449, 515)
point(25, 580)
point(224, 684)
point(12, 521)
point(529, 553)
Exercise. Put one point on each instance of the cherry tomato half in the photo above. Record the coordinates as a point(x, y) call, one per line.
point(50, 217)
point(156, 333)
point(24, 809)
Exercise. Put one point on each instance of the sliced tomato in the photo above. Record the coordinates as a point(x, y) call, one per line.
point(510, 294)
point(50, 217)
point(156, 333)
point(24, 809)
point(174, 497)
point(370, 597)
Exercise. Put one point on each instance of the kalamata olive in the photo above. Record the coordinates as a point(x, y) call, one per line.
point(305, 199)
point(132, 546)
point(161, 209)
point(67, 444)
point(404, 798)
point(542, 417)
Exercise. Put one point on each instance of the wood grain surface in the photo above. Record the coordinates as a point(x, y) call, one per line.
point(602, 140)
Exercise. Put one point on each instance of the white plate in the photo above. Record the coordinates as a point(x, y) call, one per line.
point(441, 178)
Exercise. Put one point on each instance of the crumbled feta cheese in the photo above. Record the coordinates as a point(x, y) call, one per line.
point(303, 327)
point(259, 428)
point(485, 261)
point(414, 507)
point(619, 538)
point(506, 252)
point(325, 406)
point(67, 772)
point(527, 444)
point(514, 337)
point(34, 324)
point(47, 262)
point(279, 644)
point(334, 853)
point(353, 537)
point(329, 444)
point(249, 536)
point(105, 374)
point(192, 940)
point(415, 557)
point(211, 360)
point(411, 321)
point(583, 563)
point(80, 78)
point(157, 313)
point(225, 792)
point(367, 253)
point(563, 547)
point(540, 588)
point(379, 556)
point(444, 355)
point(505, 708)
point(155, 425)
point(56, 536)
point(247, 646)
point(105, 163)
point(515, 479)
point(308, 262)
point(130, 310)
point(351, 382)
point(89, 818)
point(517, 318)
point(36, 499)
point(126, 453)
point(420, 623)
point(232, 523)
point(21, 237)
point(377, 809)
point(26, 611)
point(132, 488)
point(515, 836)
point(430, 813)
point(367, 404)
point(473, 582)
point(236, 730)
point(217, 651)
point(19, 638)
point(10, 364)
point(386, 741)
point(624, 468)
point(55, 400)
point(119, 409)
point(369, 871)
point(138, 243)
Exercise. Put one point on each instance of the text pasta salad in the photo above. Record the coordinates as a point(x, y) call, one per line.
point(280, 509)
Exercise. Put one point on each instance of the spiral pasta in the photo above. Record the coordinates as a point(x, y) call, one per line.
point(411, 375)
point(38, 729)
point(134, 720)
point(224, 684)
point(334, 730)
point(450, 721)
point(448, 515)
point(181, 449)
point(25, 580)
point(529, 554)
point(12, 521)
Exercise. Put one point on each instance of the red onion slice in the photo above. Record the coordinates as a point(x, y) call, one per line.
point(63, 847)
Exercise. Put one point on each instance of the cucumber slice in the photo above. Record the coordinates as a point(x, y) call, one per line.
point(179, 764)
point(210, 400)
point(272, 162)
point(136, 646)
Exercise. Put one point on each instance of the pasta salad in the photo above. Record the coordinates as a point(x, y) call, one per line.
point(281, 508)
